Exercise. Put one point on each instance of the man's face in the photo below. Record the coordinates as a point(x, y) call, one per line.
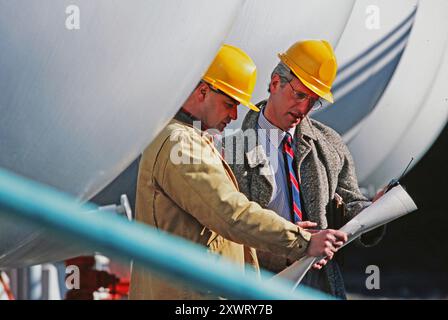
point(219, 110)
point(288, 109)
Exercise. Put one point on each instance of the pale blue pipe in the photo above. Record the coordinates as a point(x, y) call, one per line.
point(170, 256)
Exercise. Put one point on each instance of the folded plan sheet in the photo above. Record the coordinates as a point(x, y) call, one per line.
point(392, 205)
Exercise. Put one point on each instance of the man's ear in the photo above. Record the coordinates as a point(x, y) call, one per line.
point(201, 91)
point(275, 83)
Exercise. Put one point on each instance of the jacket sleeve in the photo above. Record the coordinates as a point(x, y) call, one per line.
point(355, 201)
point(193, 175)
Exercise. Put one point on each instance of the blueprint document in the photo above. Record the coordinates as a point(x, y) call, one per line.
point(392, 205)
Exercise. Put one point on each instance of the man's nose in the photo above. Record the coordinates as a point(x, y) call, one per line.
point(234, 113)
point(304, 106)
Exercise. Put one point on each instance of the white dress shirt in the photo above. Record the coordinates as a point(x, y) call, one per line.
point(270, 138)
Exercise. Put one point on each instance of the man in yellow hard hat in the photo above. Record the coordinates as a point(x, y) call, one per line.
point(298, 167)
point(186, 188)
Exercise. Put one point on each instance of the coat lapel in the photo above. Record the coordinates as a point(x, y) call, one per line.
point(304, 137)
point(260, 178)
point(262, 181)
point(306, 168)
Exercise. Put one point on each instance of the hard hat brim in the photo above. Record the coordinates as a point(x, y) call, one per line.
point(248, 104)
point(251, 106)
point(231, 92)
point(324, 95)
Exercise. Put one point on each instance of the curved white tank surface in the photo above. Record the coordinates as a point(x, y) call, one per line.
point(265, 28)
point(78, 105)
point(414, 108)
point(391, 98)
point(368, 58)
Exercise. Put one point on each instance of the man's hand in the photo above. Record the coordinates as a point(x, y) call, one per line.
point(321, 263)
point(325, 243)
point(306, 225)
point(379, 194)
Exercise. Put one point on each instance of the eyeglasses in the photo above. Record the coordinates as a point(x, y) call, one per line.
point(302, 96)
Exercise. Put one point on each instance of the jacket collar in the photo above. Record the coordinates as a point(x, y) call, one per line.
point(187, 118)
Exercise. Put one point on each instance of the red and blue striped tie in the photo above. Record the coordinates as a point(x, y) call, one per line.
point(293, 182)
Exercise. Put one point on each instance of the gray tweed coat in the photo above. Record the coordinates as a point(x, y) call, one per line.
point(325, 168)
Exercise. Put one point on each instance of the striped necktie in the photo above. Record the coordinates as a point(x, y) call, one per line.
point(294, 188)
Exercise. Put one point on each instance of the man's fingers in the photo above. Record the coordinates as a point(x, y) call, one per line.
point(317, 266)
point(338, 244)
point(306, 224)
point(340, 235)
point(329, 246)
point(323, 262)
point(334, 241)
point(326, 243)
point(379, 194)
point(329, 254)
point(330, 237)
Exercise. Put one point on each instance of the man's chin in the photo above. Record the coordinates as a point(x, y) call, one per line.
point(295, 120)
point(294, 124)
point(217, 129)
point(221, 127)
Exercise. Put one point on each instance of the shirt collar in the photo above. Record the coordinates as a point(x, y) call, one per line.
point(272, 130)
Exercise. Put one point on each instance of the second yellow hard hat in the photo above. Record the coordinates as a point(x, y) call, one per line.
point(234, 73)
point(314, 63)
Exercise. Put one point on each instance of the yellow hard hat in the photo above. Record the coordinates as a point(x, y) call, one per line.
point(234, 73)
point(314, 63)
